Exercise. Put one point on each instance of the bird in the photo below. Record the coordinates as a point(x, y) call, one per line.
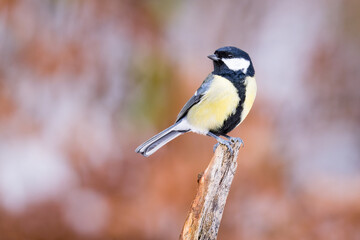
point(220, 104)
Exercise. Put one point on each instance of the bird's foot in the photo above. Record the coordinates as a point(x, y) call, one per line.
point(215, 147)
point(235, 140)
point(226, 143)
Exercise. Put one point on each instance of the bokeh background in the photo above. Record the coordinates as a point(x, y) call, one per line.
point(83, 83)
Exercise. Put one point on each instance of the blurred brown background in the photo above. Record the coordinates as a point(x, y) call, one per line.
point(82, 83)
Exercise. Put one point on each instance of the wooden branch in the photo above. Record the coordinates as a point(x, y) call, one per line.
point(206, 211)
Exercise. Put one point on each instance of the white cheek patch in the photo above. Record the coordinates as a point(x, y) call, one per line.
point(237, 64)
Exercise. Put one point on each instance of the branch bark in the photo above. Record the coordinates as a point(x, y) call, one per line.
point(206, 211)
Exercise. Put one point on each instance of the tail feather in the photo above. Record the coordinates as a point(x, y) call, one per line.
point(159, 140)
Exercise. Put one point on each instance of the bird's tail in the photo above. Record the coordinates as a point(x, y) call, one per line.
point(159, 140)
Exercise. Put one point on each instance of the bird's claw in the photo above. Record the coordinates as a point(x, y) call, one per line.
point(239, 140)
point(227, 144)
point(215, 147)
point(236, 140)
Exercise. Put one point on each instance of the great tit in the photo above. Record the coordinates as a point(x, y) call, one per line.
point(220, 104)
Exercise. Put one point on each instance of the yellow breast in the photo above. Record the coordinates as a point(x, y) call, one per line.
point(219, 101)
point(250, 95)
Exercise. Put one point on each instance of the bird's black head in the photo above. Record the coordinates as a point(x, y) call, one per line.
point(232, 59)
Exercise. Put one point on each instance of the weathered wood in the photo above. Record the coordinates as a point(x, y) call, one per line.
point(206, 211)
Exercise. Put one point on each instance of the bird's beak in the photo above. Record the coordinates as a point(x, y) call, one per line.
point(214, 57)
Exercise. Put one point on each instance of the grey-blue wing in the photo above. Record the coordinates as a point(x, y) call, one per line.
point(196, 97)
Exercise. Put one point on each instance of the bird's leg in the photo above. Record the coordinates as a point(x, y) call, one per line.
point(235, 139)
point(221, 141)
